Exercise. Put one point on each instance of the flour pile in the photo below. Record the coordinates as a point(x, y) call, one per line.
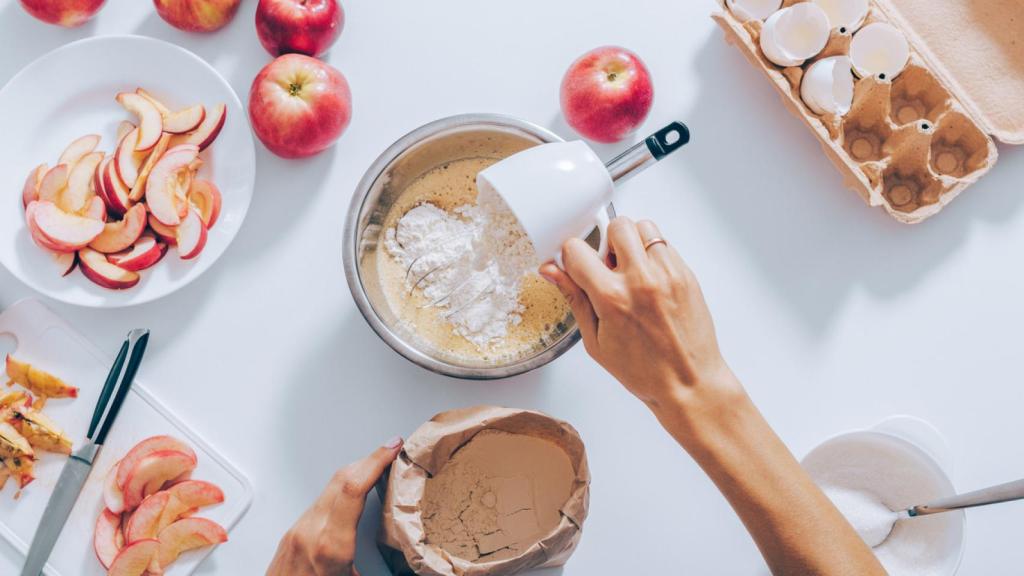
point(469, 263)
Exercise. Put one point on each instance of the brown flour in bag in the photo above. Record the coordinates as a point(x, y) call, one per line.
point(485, 491)
point(498, 495)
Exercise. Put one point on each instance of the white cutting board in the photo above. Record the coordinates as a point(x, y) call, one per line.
point(47, 341)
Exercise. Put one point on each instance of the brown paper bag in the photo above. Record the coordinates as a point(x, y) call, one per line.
point(402, 540)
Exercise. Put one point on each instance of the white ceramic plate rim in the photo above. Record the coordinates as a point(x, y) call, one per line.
point(236, 200)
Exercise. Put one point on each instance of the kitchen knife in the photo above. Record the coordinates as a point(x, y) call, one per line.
point(79, 464)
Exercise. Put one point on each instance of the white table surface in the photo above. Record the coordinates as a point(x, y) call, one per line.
point(834, 315)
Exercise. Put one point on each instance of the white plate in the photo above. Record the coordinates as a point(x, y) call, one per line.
point(69, 93)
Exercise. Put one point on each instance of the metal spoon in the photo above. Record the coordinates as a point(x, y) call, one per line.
point(1007, 492)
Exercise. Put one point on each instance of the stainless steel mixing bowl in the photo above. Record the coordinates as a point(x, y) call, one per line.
point(421, 150)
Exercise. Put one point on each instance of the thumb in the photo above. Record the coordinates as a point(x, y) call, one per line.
point(578, 301)
point(347, 491)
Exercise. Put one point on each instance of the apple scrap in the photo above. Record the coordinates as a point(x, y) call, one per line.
point(150, 499)
point(24, 429)
point(117, 214)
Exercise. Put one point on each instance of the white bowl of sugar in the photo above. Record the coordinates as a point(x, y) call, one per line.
point(901, 462)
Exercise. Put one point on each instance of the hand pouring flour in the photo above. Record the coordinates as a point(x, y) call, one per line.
point(465, 239)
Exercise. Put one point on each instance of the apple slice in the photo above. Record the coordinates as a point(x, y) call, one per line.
point(207, 132)
point(145, 253)
point(123, 128)
point(96, 268)
point(186, 498)
point(117, 193)
point(107, 539)
point(66, 262)
point(191, 235)
point(68, 231)
point(144, 523)
point(127, 160)
point(54, 181)
point(187, 534)
point(151, 124)
point(184, 120)
point(167, 234)
point(153, 471)
point(163, 190)
point(164, 110)
point(113, 498)
point(37, 235)
point(139, 189)
point(95, 209)
point(30, 191)
point(98, 185)
point(206, 198)
point(146, 447)
point(78, 149)
point(78, 192)
point(119, 235)
point(135, 558)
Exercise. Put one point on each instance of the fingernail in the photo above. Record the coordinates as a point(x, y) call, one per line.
point(393, 443)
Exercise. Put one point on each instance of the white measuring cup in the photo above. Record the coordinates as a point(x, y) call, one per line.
point(562, 190)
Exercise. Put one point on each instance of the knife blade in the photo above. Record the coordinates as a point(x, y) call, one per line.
point(79, 464)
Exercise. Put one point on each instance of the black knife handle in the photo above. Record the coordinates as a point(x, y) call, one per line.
point(134, 348)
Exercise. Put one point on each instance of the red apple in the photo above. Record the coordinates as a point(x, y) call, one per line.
point(197, 15)
point(606, 94)
point(299, 106)
point(67, 13)
point(301, 26)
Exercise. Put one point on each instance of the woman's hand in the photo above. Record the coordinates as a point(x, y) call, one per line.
point(323, 541)
point(645, 320)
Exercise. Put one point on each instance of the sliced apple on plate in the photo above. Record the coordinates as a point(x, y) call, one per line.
point(139, 189)
point(150, 474)
point(134, 559)
point(96, 268)
point(164, 193)
point(127, 160)
point(107, 538)
point(66, 231)
point(79, 190)
point(186, 498)
point(207, 132)
point(187, 534)
point(144, 523)
point(117, 194)
point(120, 235)
point(53, 183)
point(78, 149)
point(151, 124)
point(180, 122)
point(30, 191)
point(191, 235)
point(146, 447)
point(166, 234)
point(65, 261)
point(205, 197)
point(146, 252)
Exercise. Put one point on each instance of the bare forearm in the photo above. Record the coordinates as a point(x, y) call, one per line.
point(796, 527)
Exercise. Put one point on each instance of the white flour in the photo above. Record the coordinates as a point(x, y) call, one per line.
point(469, 264)
point(867, 477)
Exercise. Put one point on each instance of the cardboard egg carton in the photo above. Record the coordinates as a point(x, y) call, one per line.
point(912, 144)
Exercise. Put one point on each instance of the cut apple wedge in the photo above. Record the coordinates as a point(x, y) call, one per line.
point(206, 198)
point(30, 191)
point(191, 235)
point(134, 559)
point(187, 534)
point(95, 209)
point(78, 149)
point(37, 235)
point(139, 189)
point(185, 120)
point(150, 125)
point(98, 185)
point(66, 262)
point(107, 538)
point(78, 191)
point(167, 234)
point(144, 523)
point(164, 193)
point(150, 474)
point(113, 499)
point(53, 183)
point(207, 132)
point(146, 447)
point(120, 235)
point(96, 268)
point(123, 128)
point(146, 252)
point(164, 110)
point(127, 160)
point(187, 498)
point(116, 192)
point(68, 231)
